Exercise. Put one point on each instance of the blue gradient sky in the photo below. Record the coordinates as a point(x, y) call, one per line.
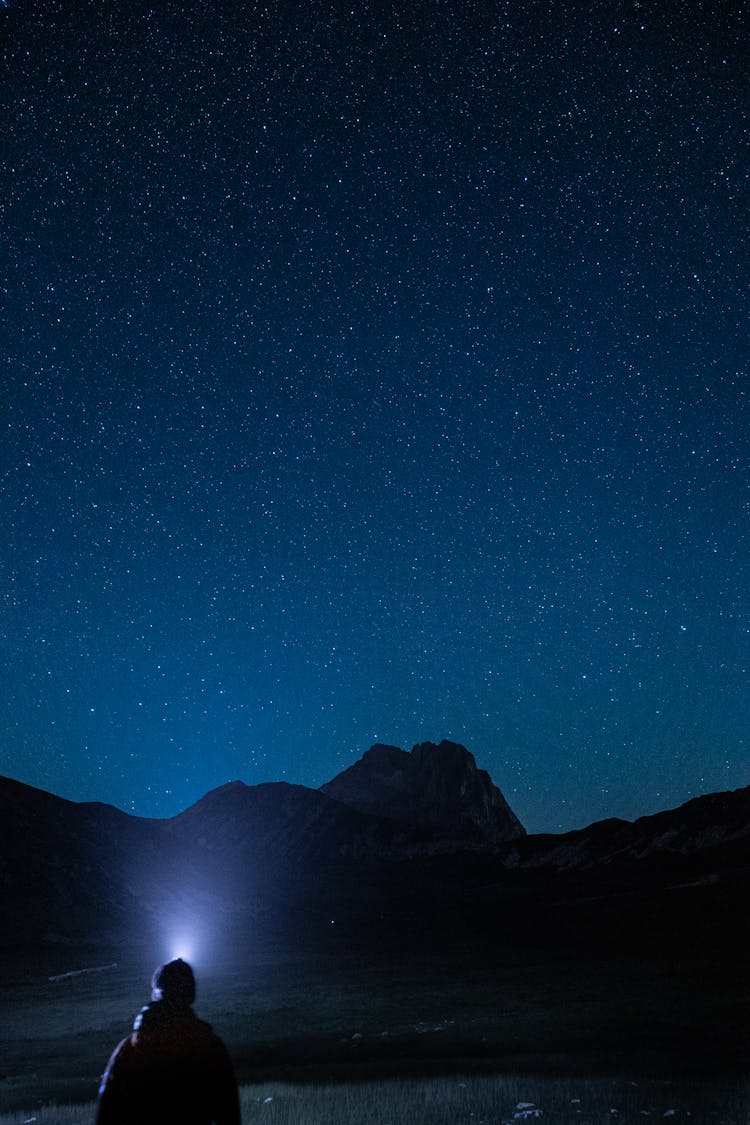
point(374, 372)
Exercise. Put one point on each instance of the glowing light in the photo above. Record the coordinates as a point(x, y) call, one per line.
point(182, 945)
point(187, 935)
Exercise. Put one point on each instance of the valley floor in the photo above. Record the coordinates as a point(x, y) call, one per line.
point(523, 1026)
point(467, 1100)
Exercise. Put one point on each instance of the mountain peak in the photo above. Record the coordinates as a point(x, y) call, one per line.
point(435, 786)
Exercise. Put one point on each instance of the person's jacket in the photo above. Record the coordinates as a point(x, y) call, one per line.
point(172, 1069)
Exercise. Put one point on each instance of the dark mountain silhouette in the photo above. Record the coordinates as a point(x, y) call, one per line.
point(402, 848)
point(436, 787)
point(277, 823)
point(68, 870)
point(706, 832)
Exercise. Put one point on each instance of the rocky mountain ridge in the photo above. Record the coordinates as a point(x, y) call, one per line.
point(702, 827)
point(423, 835)
point(436, 787)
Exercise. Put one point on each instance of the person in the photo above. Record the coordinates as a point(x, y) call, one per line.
point(173, 1068)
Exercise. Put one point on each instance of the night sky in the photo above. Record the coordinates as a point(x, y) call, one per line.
point(374, 371)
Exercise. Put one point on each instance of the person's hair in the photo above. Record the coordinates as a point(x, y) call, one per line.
point(174, 982)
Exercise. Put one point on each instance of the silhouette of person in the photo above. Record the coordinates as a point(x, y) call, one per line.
point(172, 1069)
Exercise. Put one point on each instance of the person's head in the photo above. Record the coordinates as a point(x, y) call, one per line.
point(174, 982)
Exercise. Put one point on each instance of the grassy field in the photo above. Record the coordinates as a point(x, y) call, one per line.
point(622, 1034)
point(466, 1100)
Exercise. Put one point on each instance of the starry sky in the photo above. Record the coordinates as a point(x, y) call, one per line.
point(375, 371)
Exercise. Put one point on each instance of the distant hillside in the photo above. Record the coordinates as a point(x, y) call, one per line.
point(705, 833)
point(416, 847)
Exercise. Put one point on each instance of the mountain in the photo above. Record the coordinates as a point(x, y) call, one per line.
point(412, 847)
point(273, 859)
point(68, 869)
point(277, 823)
point(706, 832)
point(433, 787)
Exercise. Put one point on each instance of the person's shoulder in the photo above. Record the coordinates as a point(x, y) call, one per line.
point(206, 1033)
point(123, 1047)
point(119, 1056)
point(203, 1029)
point(138, 1021)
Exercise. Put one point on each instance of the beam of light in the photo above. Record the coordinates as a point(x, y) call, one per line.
point(182, 945)
point(186, 938)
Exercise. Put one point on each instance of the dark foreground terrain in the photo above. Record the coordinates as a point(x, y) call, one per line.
point(338, 1016)
point(334, 943)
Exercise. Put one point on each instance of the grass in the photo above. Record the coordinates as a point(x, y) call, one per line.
point(466, 1100)
point(374, 1042)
